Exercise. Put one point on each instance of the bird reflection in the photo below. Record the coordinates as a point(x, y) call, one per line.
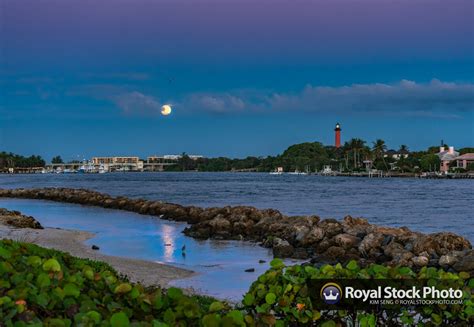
point(183, 251)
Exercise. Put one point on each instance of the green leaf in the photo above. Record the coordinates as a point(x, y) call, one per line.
point(119, 319)
point(169, 317)
point(352, 265)
point(51, 265)
point(43, 280)
point(471, 283)
point(405, 271)
point(71, 290)
point(134, 293)
point(270, 298)
point(5, 300)
point(88, 273)
point(436, 319)
point(248, 299)
point(316, 315)
point(4, 253)
point(277, 263)
point(464, 275)
point(211, 320)
point(174, 293)
point(55, 322)
point(123, 288)
point(216, 306)
point(237, 316)
point(328, 323)
point(469, 311)
point(34, 261)
point(94, 316)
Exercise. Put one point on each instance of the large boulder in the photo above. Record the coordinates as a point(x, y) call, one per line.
point(219, 224)
point(335, 252)
point(331, 227)
point(314, 236)
point(451, 241)
point(300, 232)
point(420, 261)
point(18, 220)
point(347, 241)
point(449, 259)
point(281, 248)
point(370, 241)
point(466, 263)
point(426, 243)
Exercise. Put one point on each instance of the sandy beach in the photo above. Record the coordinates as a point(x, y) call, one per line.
point(72, 241)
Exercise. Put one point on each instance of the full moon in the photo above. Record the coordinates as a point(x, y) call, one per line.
point(166, 110)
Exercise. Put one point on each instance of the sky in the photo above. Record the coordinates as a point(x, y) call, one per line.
point(87, 78)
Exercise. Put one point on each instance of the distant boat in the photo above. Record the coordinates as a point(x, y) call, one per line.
point(327, 171)
point(297, 172)
point(276, 173)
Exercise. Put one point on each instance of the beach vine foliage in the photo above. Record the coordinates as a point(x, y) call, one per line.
point(44, 287)
point(284, 296)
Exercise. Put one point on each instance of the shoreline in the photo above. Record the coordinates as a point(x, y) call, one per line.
point(299, 237)
point(148, 273)
point(384, 175)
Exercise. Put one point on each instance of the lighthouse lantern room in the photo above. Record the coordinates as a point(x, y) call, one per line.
point(338, 135)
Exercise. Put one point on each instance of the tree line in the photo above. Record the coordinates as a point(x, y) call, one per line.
point(11, 160)
point(354, 155)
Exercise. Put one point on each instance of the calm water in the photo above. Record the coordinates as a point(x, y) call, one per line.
point(423, 205)
point(132, 235)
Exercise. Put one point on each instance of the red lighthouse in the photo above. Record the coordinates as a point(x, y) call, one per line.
point(338, 136)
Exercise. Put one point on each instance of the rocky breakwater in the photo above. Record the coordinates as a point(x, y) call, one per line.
point(18, 220)
point(304, 237)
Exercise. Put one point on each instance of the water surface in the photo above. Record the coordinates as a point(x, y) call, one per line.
point(421, 204)
point(221, 264)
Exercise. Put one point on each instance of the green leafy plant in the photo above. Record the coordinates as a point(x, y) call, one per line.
point(45, 287)
point(281, 297)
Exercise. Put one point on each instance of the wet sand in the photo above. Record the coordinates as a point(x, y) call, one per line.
point(146, 272)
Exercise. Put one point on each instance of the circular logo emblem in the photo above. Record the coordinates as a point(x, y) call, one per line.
point(331, 293)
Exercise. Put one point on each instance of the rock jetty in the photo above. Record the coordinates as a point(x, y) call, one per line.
point(18, 220)
point(303, 237)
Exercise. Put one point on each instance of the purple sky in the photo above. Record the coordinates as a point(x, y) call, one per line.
point(76, 64)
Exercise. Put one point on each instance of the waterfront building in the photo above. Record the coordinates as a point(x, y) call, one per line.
point(463, 161)
point(118, 163)
point(446, 157)
point(161, 159)
point(115, 160)
point(396, 154)
point(337, 130)
point(177, 157)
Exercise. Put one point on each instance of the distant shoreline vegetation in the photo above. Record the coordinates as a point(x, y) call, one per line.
point(355, 155)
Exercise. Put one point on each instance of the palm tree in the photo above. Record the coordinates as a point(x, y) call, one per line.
point(403, 148)
point(346, 149)
point(379, 148)
point(356, 145)
point(353, 147)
